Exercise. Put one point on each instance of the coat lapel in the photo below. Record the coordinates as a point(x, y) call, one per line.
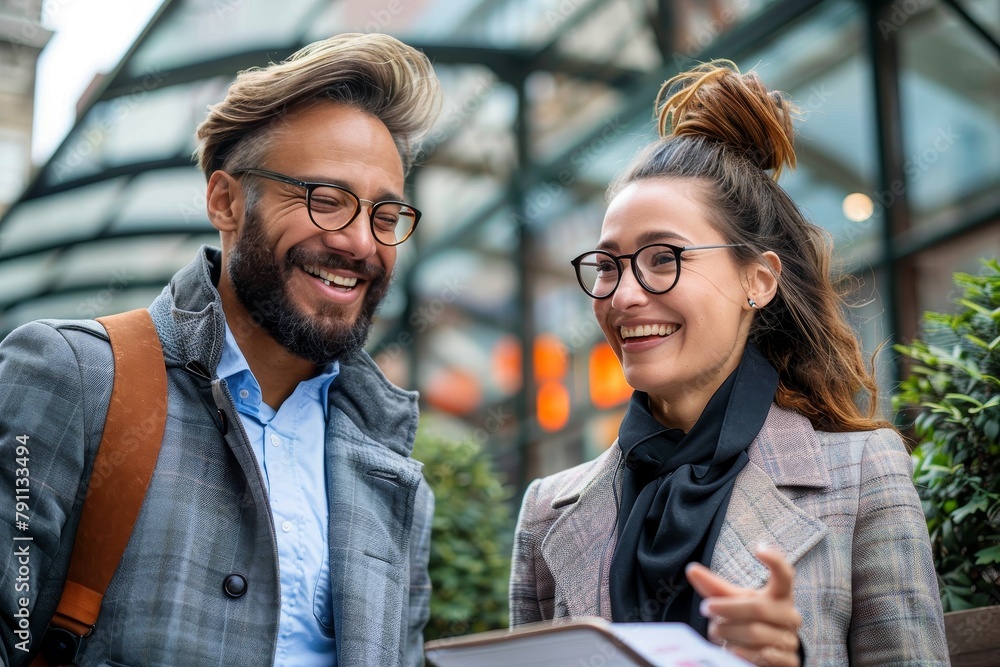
point(581, 541)
point(372, 492)
point(786, 452)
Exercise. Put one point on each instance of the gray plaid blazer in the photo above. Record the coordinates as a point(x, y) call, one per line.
point(841, 506)
point(206, 514)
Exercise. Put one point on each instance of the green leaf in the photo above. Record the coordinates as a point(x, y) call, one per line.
point(969, 508)
point(988, 555)
point(976, 307)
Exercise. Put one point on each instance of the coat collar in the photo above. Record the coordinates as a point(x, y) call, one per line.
point(191, 323)
point(786, 452)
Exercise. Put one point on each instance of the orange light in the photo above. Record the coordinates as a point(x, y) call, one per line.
point(552, 405)
point(608, 386)
point(507, 364)
point(549, 358)
point(453, 390)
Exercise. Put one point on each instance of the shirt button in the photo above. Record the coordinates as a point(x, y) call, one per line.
point(244, 393)
point(287, 526)
point(275, 440)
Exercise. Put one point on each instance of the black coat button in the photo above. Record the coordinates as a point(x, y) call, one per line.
point(235, 585)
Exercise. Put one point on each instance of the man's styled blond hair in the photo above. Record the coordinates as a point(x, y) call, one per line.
point(373, 73)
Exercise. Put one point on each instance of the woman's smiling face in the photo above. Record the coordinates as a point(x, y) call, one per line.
point(679, 346)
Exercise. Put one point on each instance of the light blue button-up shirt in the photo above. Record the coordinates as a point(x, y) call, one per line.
point(289, 445)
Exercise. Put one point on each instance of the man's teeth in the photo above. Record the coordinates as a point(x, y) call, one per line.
point(649, 330)
point(329, 278)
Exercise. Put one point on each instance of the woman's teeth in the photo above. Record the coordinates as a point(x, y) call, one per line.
point(329, 278)
point(649, 330)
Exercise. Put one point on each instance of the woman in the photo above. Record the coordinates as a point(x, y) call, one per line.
point(743, 452)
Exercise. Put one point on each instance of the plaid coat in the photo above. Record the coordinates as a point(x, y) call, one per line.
point(841, 506)
point(206, 514)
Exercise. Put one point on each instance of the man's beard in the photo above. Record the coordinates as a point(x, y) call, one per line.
point(261, 283)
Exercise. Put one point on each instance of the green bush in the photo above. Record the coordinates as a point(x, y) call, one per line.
point(955, 385)
point(471, 537)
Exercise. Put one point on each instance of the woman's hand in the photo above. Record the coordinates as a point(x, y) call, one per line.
point(758, 625)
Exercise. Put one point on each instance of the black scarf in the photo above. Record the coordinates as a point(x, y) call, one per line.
point(675, 490)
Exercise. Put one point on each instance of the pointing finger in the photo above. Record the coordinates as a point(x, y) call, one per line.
point(707, 583)
point(779, 585)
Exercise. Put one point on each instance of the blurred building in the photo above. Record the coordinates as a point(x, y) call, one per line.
point(21, 40)
point(899, 153)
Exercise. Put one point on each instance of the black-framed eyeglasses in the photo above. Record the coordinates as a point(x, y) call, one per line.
point(333, 207)
point(656, 267)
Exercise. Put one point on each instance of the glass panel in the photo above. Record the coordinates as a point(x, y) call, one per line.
point(21, 278)
point(67, 306)
point(115, 266)
point(108, 270)
point(819, 63)
point(62, 217)
point(951, 115)
point(471, 280)
point(617, 33)
point(197, 31)
point(504, 23)
point(121, 131)
point(450, 199)
point(164, 198)
point(986, 13)
point(474, 129)
point(571, 118)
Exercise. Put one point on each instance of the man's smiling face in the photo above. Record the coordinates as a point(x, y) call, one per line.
point(314, 291)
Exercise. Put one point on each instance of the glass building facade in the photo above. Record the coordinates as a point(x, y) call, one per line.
point(546, 100)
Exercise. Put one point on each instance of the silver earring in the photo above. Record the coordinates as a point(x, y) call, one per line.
point(753, 304)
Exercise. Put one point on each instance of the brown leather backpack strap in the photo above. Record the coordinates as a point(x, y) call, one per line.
point(126, 456)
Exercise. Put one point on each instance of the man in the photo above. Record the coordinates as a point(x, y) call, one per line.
point(285, 522)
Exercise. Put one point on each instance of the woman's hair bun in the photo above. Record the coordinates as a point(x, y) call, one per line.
point(714, 100)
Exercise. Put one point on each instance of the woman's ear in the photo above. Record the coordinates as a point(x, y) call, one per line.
point(224, 202)
point(762, 279)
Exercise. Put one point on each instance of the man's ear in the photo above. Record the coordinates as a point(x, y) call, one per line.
point(762, 279)
point(224, 202)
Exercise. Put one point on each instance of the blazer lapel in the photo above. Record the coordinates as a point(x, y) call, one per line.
point(372, 492)
point(786, 452)
point(581, 541)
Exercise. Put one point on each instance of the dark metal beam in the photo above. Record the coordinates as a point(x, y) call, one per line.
point(84, 288)
point(170, 228)
point(884, 58)
point(524, 400)
point(38, 189)
point(974, 24)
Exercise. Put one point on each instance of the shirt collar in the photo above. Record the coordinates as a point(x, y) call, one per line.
point(234, 369)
